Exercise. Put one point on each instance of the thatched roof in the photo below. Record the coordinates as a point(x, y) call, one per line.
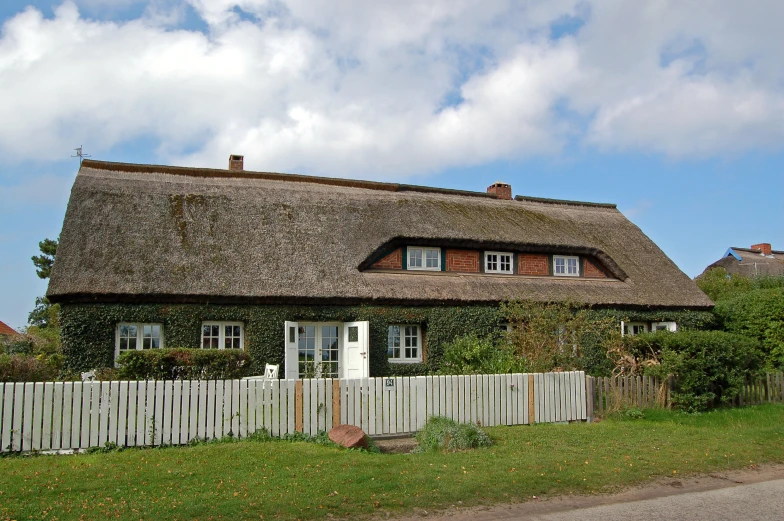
point(152, 233)
point(752, 262)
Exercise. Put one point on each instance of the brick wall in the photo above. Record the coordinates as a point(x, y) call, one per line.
point(592, 271)
point(764, 247)
point(466, 261)
point(533, 264)
point(393, 261)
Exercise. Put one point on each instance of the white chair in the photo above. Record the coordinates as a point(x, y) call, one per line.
point(270, 373)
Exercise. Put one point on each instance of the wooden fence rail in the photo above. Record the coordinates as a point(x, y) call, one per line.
point(79, 415)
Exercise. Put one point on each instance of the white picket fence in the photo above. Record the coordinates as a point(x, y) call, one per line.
point(79, 415)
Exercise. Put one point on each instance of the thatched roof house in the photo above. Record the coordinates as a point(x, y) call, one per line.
point(157, 234)
point(759, 260)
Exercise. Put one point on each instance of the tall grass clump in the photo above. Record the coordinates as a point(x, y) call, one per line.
point(442, 433)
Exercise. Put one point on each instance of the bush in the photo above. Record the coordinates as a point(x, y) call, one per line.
point(26, 368)
point(473, 355)
point(711, 367)
point(183, 364)
point(758, 314)
point(720, 285)
point(442, 433)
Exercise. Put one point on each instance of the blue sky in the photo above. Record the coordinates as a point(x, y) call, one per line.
point(672, 110)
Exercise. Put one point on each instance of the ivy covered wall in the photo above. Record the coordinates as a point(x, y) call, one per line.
point(88, 330)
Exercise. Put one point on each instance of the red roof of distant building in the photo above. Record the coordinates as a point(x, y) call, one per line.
point(6, 330)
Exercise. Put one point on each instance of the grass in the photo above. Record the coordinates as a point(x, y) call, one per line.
point(291, 480)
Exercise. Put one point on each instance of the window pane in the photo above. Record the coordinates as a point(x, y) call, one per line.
point(156, 343)
point(132, 343)
point(214, 343)
point(132, 331)
point(146, 343)
point(215, 330)
point(147, 331)
point(156, 330)
point(205, 343)
point(415, 258)
point(205, 330)
point(124, 331)
point(353, 334)
point(237, 330)
point(123, 343)
point(432, 258)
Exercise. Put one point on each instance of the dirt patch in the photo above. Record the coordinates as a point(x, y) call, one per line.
point(661, 487)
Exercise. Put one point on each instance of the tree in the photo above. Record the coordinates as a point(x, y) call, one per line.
point(44, 262)
point(44, 315)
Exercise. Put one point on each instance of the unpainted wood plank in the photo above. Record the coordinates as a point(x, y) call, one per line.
point(336, 402)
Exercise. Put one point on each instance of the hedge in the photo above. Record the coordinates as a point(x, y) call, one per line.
point(183, 364)
point(711, 367)
point(87, 330)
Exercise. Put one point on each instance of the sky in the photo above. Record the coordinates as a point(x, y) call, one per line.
point(671, 109)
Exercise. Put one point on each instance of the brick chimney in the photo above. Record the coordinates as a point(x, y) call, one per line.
point(763, 247)
point(236, 162)
point(501, 190)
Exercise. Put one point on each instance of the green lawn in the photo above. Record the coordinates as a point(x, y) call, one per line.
point(251, 480)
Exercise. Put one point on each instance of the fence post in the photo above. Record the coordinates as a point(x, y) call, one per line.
point(298, 406)
point(589, 397)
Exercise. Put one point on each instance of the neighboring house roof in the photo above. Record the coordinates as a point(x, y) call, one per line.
point(151, 233)
point(6, 330)
point(760, 259)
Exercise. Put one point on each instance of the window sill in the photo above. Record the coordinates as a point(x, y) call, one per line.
point(401, 361)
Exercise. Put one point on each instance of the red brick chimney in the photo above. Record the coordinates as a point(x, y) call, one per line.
point(501, 190)
point(763, 247)
point(236, 162)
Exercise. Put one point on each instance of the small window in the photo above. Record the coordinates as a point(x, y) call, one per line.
point(138, 337)
point(664, 326)
point(404, 344)
point(498, 262)
point(222, 335)
point(424, 259)
point(566, 266)
point(635, 328)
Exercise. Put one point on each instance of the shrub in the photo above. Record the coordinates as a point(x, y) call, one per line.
point(441, 433)
point(758, 314)
point(473, 355)
point(720, 285)
point(551, 336)
point(26, 368)
point(183, 364)
point(710, 366)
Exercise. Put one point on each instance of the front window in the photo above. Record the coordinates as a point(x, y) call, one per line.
point(404, 344)
point(138, 337)
point(635, 328)
point(424, 259)
point(497, 262)
point(664, 326)
point(566, 266)
point(222, 335)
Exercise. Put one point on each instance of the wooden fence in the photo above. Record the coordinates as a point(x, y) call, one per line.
point(79, 415)
point(607, 395)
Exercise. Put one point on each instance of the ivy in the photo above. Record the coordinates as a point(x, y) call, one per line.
point(88, 330)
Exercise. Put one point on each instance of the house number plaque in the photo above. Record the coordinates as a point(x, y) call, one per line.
point(389, 383)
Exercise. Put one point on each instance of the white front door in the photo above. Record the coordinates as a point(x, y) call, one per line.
point(356, 344)
point(326, 350)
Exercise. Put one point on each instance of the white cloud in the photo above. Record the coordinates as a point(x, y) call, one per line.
point(392, 88)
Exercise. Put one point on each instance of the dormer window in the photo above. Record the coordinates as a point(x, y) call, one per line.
point(498, 262)
point(424, 259)
point(566, 266)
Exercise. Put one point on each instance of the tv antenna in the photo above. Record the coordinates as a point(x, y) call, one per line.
point(80, 154)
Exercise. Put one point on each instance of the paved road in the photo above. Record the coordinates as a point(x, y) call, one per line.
point(759, 501)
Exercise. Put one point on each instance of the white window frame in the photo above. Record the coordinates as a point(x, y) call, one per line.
point(411, 249)
point(499, 262)
point(222, 334)
point(628, 328)
point(566, 259)
point(667, 325)
point(139, 337)
point(402, 336)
